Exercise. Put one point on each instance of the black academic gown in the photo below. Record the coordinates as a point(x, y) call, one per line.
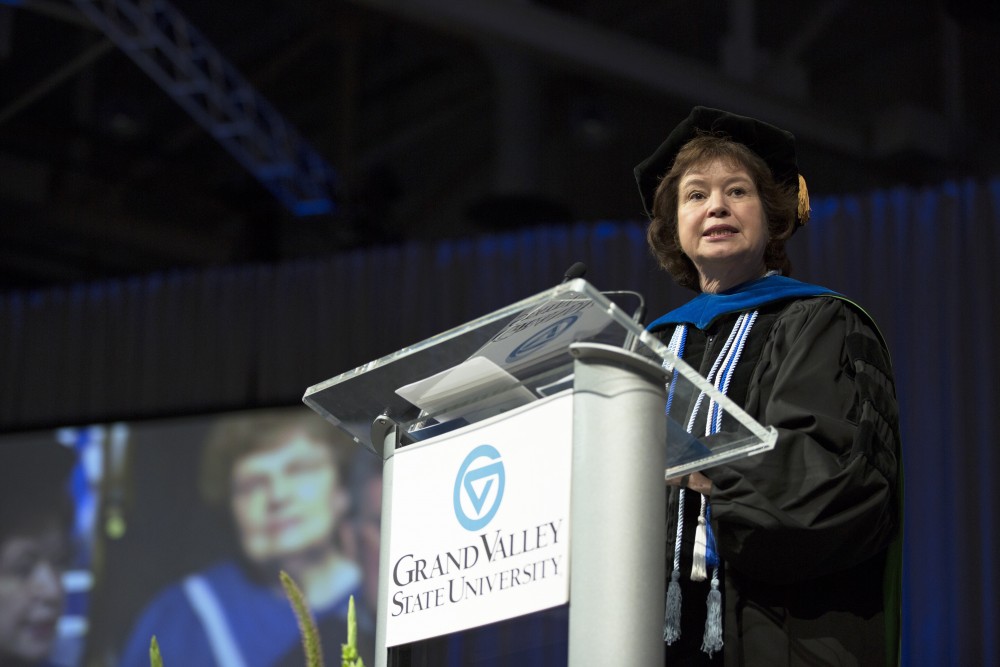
point(808, 532)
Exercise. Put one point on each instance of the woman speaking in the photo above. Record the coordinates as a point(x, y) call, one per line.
point(789, 557)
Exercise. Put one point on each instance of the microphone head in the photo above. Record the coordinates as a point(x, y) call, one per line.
point(577, 270)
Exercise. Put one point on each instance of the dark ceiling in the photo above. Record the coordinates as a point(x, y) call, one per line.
point(456, 117)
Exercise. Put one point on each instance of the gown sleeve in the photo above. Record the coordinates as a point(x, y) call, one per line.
point(824, 499)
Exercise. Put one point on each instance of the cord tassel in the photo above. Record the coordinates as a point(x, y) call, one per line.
point(699, 570)
point(672, 614)
point(705, 552)
point(712, 641)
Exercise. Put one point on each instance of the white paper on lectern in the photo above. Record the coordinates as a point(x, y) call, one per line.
point(478, 375)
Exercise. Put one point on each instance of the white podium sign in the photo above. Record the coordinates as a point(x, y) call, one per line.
point(480, 523)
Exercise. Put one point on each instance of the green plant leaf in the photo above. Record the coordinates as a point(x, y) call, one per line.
point(307, 624)
point(155, 659)
point(349, 652)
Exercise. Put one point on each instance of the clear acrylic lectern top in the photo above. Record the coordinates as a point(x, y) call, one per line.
point(517, 355)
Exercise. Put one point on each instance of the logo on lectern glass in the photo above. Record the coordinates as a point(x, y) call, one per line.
point(479, 487)
point(542, 338)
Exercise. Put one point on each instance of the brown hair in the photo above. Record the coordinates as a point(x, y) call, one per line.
point(779, 203)
point(233, 437)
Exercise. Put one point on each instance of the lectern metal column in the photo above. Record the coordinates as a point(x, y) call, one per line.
point(617, 509)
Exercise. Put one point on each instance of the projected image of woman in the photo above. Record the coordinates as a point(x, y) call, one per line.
point(279, 476)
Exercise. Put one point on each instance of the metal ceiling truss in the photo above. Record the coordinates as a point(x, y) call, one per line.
point(183, 62)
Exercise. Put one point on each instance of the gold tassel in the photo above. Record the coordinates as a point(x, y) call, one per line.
point(803, 210)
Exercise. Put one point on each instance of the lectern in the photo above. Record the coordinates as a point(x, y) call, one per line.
point(524, 456)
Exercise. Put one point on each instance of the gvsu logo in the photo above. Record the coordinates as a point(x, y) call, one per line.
point(479, 487)
point(542, 338)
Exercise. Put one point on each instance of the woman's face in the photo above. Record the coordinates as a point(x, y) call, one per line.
point(286, 499)
point(31, 593)
point(721, 225)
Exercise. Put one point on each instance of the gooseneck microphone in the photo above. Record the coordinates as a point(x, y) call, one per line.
point(631, 341)
point(640, 311)
point(577, 270)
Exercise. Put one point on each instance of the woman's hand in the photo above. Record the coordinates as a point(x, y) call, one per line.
point(694, 481)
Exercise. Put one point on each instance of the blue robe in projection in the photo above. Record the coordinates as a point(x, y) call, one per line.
point(221, 618)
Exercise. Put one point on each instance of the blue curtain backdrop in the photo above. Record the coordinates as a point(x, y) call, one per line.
point(922, 262)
